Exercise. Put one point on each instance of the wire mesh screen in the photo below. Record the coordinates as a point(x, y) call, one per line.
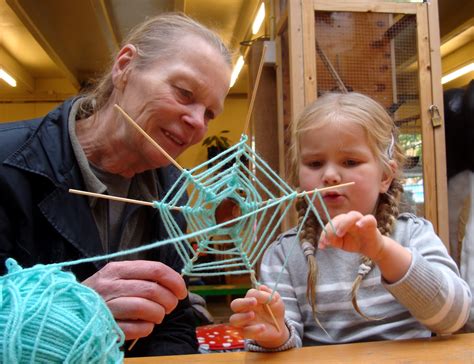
point(376, 54)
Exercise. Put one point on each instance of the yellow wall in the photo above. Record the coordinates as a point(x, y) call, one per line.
point(24, 110)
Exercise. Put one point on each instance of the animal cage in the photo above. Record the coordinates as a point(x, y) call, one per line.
point(389, 50)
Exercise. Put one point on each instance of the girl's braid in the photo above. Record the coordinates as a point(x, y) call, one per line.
point(386, 215)
point(308, 239)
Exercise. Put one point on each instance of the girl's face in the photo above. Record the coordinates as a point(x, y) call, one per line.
point(339, 153)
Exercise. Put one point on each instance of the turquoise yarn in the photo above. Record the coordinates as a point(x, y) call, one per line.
point(46, 316)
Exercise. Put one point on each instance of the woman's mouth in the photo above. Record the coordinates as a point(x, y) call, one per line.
point(175, 139)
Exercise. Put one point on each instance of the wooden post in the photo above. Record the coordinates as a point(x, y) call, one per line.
point(439, 132)
point(424, 74)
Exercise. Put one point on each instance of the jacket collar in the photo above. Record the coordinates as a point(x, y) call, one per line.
point(48, 145)
point(48, 152)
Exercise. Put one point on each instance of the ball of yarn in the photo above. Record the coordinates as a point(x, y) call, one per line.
point(46, 316)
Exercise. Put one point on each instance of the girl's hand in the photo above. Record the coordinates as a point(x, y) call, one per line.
point(354, 232)
point(255, 319)
point(357, 233)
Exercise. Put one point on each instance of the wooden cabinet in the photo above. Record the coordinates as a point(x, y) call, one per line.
point(388, 50)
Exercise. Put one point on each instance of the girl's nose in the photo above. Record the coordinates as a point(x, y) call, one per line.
point(331, 175)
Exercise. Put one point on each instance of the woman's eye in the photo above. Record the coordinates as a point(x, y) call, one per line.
point(186, 94)
point(209, 115)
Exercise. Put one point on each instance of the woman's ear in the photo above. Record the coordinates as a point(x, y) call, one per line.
point(122, 66)
point(387, 176)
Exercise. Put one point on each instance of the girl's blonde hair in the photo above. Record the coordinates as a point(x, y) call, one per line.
point(382, 137)
point(156, 37)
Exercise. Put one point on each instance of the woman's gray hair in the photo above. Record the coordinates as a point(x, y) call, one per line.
point(156, 37)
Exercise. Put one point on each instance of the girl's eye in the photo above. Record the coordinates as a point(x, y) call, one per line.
point(351, 163)
point(315, 164)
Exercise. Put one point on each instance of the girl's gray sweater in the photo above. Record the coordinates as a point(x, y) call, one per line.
point(431, 297)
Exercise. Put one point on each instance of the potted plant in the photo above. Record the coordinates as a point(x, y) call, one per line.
point(216, 144)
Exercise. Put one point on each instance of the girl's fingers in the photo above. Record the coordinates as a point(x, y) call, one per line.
point(253, 332)
point(245, 304)
point(339, 227)
point(367, 222)
point(346, 222)
point(241, 319)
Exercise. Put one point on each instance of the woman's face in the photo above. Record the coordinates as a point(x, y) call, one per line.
point(338, 153)
point(173, 100)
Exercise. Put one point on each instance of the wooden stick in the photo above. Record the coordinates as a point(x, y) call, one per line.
point(269, 309)
point(325, 188)
point(115, 198)
point(149, 138)
point(133, 344)
point(313, 191)
point(254, 92)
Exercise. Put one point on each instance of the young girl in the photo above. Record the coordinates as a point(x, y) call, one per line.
point(379, 274)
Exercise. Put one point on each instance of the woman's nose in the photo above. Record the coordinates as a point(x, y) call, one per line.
point(331, 175)
point(196, 117)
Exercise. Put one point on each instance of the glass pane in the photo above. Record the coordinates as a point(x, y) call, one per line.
point(376, 54)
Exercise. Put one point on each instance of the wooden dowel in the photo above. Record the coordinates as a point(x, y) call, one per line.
point(254, 92)
point(115, 198)
point(325, 188)
point(108, 197)
point(149, 138)
point(133, 344)
point(269, 309)
point(313, 191)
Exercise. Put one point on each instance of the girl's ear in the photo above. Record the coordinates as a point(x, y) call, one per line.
point(122, 66)
point(387, 176)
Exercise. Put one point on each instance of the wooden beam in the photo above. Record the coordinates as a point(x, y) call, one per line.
point(439, 132)
point(180, 5)
point(102, 13)
point(428, 145)
point(16, 70)
point(242, 27)
point(309, 47)
point(295, 50)
point(23, 15)
point(376, 6)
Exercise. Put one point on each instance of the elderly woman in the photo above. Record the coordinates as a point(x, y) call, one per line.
point(171, 76)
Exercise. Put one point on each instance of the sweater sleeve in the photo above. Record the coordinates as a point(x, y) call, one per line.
point(270, 273)
point(251, 345)
point(432, 289)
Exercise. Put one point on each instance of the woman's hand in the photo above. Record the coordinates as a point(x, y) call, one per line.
point(255, 319)
point(139, 293)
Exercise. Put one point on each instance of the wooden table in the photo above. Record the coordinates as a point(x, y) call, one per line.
point(447, 349)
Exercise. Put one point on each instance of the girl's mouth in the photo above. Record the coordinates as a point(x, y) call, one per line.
point(332, 196)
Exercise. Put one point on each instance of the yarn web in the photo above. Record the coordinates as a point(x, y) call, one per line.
point(227, 182)
point(257, 205)
point(222, 183)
